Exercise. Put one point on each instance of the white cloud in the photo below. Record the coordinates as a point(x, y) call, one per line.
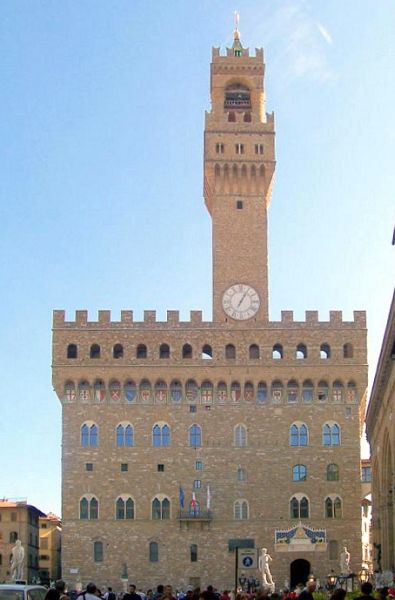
point(325, 33)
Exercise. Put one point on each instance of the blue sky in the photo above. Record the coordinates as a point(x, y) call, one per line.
point(101, 205)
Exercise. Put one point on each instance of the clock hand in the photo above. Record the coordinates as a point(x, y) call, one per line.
point(242, 298)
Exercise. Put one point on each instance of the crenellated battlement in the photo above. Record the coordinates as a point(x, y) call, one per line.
point(173, 320)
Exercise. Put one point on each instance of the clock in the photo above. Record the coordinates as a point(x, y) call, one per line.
point(241, 301)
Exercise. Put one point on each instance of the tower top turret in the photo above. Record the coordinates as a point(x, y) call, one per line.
point(237, 47)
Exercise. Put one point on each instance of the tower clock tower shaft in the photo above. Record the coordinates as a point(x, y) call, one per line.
point(239, 165)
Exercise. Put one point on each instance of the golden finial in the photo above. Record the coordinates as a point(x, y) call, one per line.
point(236, 34)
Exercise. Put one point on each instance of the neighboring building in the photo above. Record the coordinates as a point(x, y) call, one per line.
point(184, 439)
point(366, 507)
point(50, 548)
point(19, 521)
point(380, 430)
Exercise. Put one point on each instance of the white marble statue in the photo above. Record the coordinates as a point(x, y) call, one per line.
point(17, 558)
point(263, 564)
point(345, 562)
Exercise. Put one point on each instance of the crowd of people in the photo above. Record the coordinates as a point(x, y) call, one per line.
point(165, 592)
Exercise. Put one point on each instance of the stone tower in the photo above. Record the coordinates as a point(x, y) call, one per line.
point(183, 440)
point(238, 171)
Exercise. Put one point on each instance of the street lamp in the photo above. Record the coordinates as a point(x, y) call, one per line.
point(331, 579)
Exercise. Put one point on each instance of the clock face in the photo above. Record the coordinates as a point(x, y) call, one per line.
point(241, 301)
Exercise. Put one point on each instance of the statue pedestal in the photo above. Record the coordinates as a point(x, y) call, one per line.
point(124, 584)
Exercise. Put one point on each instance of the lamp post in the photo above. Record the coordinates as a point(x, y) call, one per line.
point(363, 575)
point(331, 581)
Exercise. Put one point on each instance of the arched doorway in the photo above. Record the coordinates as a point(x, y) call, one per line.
point(300, 570)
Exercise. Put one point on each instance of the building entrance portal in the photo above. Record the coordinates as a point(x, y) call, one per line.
point(300, 570)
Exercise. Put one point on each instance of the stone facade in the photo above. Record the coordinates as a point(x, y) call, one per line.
point(381, 436)
point(241, 415)
point(50, 548)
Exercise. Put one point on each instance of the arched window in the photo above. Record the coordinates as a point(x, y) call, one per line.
point(333, 507)
point(124, 435)
point(191, 390)
point(175, 391)
point(130, 391)
point(235, 170)
point(331, 434)
point(235, 391)
point(322, 391)
point(337, 391)
point(262, 392)
point(145, 391)
point(187, 351)
point(247, 117)
point(253, 352)
point(332, 472)
point(72, 351)
point(160, 392)
point(240, 509)
point(161, 508)
point(84, 392)
point(298, 434)
point(89, 508)
point(193, 552)
point(230, 351)
point(241, 474)
point(99, 391)
point(240, 436)
point(94, 351)
point(141, 351)
point(195, 436)
point(299, 473)
point(301, 352)
point(307, 391)
point(277, 352)
point(153, 552)
point(277, 392)
point(207, 392)
point(115, 391)
point(13, 537)
point(117, 351)
point(348, 351)
point(292, 391)
point(89, 434)
point(161, 434)
point(325, 351)
point(232, 117)
point(333, 550)
point(217, 170)
point(299, 507)
point(98, 551)
point(248, 391)
point(222, 392)
point(207, 352)
point(69, 391)
point(124, 508)
point(164, 351)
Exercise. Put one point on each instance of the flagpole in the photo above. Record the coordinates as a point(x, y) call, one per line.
point(236, 568)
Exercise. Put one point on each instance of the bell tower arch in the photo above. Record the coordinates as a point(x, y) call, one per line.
point(239, 165)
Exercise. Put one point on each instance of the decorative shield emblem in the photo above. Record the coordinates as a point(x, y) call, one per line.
point(130, 393)
point(115, 393)
point(191, 392)
point(145, 394)
point(160, 396)
point(351, 395)
point(276, 395)
point(84, 394)
point(337, 395)
point(261, 395)
point(235, 394)
point(248, 393)
point(221, 395)
point(70, 394)
point(207, 396)
point(176, 394)
point(100, 394)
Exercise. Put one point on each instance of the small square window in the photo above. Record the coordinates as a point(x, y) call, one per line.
point(199, 465)
point(160, 468)
point(88, 466)
point(124, 467)
point(348, 411)
point(207, 407)
point(239, 204)
point(192, 409)
point(13, 516)
point(197, 484)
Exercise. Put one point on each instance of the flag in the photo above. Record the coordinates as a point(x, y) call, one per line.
point(182, 497)
point(208, 498)
point(193, 501)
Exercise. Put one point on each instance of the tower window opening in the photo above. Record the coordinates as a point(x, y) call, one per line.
point(238, 52)
point(258, 148)
point(219, 148)
point(247, 117)
point(239, 148)
point(237, 95)
point(231, 117)
point(239, 204)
